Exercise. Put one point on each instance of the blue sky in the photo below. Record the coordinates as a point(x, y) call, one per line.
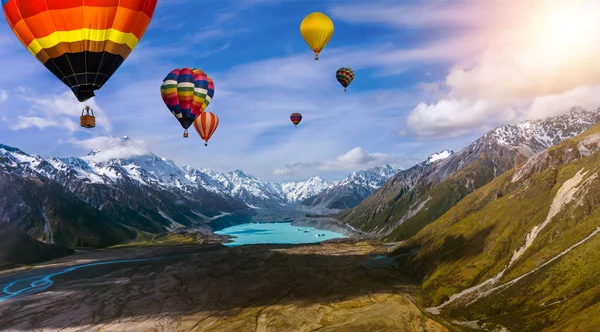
point(430, 75)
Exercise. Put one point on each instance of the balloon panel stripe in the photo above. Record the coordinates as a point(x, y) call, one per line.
point(72, 70)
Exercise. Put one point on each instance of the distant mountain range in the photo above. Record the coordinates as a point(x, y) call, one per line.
point(96, 200)
point(415, 197)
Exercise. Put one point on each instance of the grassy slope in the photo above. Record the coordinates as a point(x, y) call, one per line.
point(474, 241)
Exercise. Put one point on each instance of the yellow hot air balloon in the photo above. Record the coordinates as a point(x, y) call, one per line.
point(316, 29)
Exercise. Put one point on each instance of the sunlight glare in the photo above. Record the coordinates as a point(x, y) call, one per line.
point(568, 26)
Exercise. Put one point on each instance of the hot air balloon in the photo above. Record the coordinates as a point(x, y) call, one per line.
point(82, 45)
point(296, 118)
point(205, 125)
point(316, 29)
point(344, 76)
point(187, 93)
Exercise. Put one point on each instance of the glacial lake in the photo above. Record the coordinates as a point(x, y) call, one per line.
point(276, 233)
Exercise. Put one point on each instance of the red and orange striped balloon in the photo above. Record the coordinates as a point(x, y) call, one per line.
point(206, 124)
point(81, 42)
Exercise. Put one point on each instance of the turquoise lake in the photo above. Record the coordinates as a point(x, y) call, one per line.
point(276, 233)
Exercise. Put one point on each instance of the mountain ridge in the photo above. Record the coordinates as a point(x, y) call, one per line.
point(519, 253)
point(417, 196)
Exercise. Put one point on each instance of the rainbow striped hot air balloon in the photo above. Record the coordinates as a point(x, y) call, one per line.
point(187, 93)
point(81, 42)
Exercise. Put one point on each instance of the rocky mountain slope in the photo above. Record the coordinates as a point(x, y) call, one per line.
point(521, 252)
point(352, 190)
point(417, 196)
point(82, 202)
point(17, 247)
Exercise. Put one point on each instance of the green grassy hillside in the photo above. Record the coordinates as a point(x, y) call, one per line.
point(557, 191)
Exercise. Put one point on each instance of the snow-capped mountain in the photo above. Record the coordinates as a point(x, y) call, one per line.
point(299, 191)
point(411, 199)
point(122, 195)
point(94, 202)
point(352, 190)
point(149, 169)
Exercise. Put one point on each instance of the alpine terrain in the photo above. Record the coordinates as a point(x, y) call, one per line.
point(97, 200)
point(415, 197)
point(352, 190)
point(521, 252)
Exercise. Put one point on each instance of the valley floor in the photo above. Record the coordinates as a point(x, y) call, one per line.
point(320, 287)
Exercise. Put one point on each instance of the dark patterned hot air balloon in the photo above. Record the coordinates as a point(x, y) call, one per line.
point(296, 118)
point(187, 93)
point(205, 125)
point(345, 76)
point(82, 45)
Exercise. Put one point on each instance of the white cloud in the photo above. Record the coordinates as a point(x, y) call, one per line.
point(58, 111)
point(529, 69)
point(3, 95)
point(108, 147)
point(26, 122)
point(357, 158)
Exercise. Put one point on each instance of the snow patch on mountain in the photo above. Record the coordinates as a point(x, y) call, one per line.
point(438, 156)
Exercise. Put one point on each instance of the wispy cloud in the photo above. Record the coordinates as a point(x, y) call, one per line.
point(26, 109)
point(109, 147)
point(357, 158)
point(526, 60)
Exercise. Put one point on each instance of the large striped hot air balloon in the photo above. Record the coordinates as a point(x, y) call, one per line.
point(81, 44)
point(205, 125)
point(187, 93)
point(296, 118)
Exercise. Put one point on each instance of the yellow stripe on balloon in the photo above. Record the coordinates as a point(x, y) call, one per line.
point(57, 37)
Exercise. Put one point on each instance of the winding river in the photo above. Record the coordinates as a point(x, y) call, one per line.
point(33, 282)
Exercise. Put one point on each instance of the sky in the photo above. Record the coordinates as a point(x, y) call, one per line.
point(430, 75)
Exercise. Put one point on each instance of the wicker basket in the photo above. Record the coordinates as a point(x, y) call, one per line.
point(87, 120)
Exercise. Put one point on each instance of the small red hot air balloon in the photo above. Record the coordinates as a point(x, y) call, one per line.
point(206, 123)
point(296, 118)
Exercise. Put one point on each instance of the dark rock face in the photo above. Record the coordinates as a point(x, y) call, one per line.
point(16, 247)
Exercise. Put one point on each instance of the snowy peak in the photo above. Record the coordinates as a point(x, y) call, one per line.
point(373, 177)
point(438, 156)
point(546, 132)
point(353, 189)
point(298, 191)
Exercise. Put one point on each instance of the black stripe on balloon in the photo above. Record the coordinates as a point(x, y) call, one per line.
point(73, 70)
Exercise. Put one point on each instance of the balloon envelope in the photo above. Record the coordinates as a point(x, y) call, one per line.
point(344, 76)
point(187, 93)
point(82, 45)
point(316, 29)
point(205, 125)
point(296, 118)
